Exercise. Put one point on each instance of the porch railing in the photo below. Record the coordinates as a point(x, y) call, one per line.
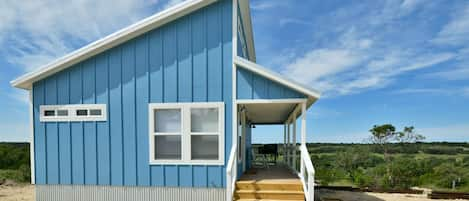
point(307, 173)
point(231, 174)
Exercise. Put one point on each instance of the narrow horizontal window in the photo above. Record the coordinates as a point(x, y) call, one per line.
point(49, 113)
point(95, 112)
point(73, 112)
point(82, 112)
point(62, 112)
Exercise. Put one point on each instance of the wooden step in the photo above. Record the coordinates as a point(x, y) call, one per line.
point(262, 200)
point(282, 186)
point(269, 194)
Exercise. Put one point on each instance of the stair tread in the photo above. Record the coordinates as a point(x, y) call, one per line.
point(295, 182)
point(270, 191)
point(262, 200)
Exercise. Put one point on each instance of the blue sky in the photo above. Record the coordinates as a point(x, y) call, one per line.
point(404, 62)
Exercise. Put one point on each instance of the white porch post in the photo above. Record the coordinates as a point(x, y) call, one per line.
point(288, 143)
point(303, 136)
point(285, 143)
point(293, 148)
point(303, 123)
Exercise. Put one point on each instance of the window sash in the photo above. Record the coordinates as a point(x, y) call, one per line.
point(72, 113)
point(186, 134)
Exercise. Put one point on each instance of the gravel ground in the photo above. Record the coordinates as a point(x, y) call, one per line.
point(17, 193)
point(329, 195)
point(26, 193)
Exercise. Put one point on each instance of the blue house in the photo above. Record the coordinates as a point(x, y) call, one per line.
point(163, 110)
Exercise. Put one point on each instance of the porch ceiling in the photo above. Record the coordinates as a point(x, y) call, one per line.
point(269, 113)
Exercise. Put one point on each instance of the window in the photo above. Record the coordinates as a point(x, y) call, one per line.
point(62, 112)
point(186, 133)
point(49, 113)
point(84, 112)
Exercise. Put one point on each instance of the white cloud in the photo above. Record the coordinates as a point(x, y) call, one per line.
point(39, 31)
point(411, 5)
point(456, 32)
point(466, 91)
point(451, 133)
point(19, 96)
point(263, 5)
point(454, 91)
point(172, 3)
point(321, 62)
point(356, 65)
point(461, 73)
point(14, 132)
point(287, 21)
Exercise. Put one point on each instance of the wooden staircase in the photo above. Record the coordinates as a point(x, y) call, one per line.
point(269, 190)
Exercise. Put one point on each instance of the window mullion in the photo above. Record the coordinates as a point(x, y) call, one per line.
point(186, 137)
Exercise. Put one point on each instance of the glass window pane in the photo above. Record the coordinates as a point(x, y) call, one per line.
point(167, 147)
point(204, 120)
point(95, 112)
point(62, 112)
point(168, 120)
point(82, 112)
point(204, 147)
point(49, 113)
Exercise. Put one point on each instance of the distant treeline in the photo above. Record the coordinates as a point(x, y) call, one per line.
point(437, 148)
point(14, 161)
point(435, 165)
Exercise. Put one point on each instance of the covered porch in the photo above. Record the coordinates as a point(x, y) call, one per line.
point(291, 174)
point(263, 97)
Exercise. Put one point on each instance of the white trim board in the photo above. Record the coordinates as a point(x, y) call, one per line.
point(258, 69)
point(31, 137)
point(266, 101)
point(25, 81)
point(246, 17)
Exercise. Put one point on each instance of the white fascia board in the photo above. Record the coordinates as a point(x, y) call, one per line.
point(258, 69)
point(246, 17)
point(25, 81)
point(269, 101)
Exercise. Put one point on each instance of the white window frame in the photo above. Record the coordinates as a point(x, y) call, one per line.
point(72, 116)
point(186, 133)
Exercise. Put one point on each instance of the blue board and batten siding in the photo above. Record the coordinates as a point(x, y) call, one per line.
point(253, 86)
point(188, 60)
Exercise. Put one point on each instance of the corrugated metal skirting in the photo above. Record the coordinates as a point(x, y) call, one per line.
point(119, 193)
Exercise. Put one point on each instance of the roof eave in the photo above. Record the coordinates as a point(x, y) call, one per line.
point(312, 94)
point(246, 16)
point(25, 81)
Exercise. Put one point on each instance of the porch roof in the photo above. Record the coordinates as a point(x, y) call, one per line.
point(274, 111)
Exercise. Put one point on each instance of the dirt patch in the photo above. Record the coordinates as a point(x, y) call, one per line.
point(324, 194)
point(19, 192)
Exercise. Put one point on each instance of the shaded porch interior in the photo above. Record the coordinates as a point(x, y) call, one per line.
point(276, 162)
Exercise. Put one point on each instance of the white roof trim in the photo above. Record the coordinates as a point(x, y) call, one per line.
point(25, 81)
point(258, 69)
point(247, 25)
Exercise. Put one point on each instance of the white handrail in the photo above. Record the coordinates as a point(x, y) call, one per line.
point(231, 174)
point(307, 165)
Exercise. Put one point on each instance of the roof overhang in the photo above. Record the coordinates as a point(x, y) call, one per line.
point(276, 77)
point(245, 13)
point(270, 111)
point(110, 41)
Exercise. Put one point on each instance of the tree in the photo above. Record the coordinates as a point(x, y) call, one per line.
point(383, 135)
point(351, 160)
point(408, 135)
